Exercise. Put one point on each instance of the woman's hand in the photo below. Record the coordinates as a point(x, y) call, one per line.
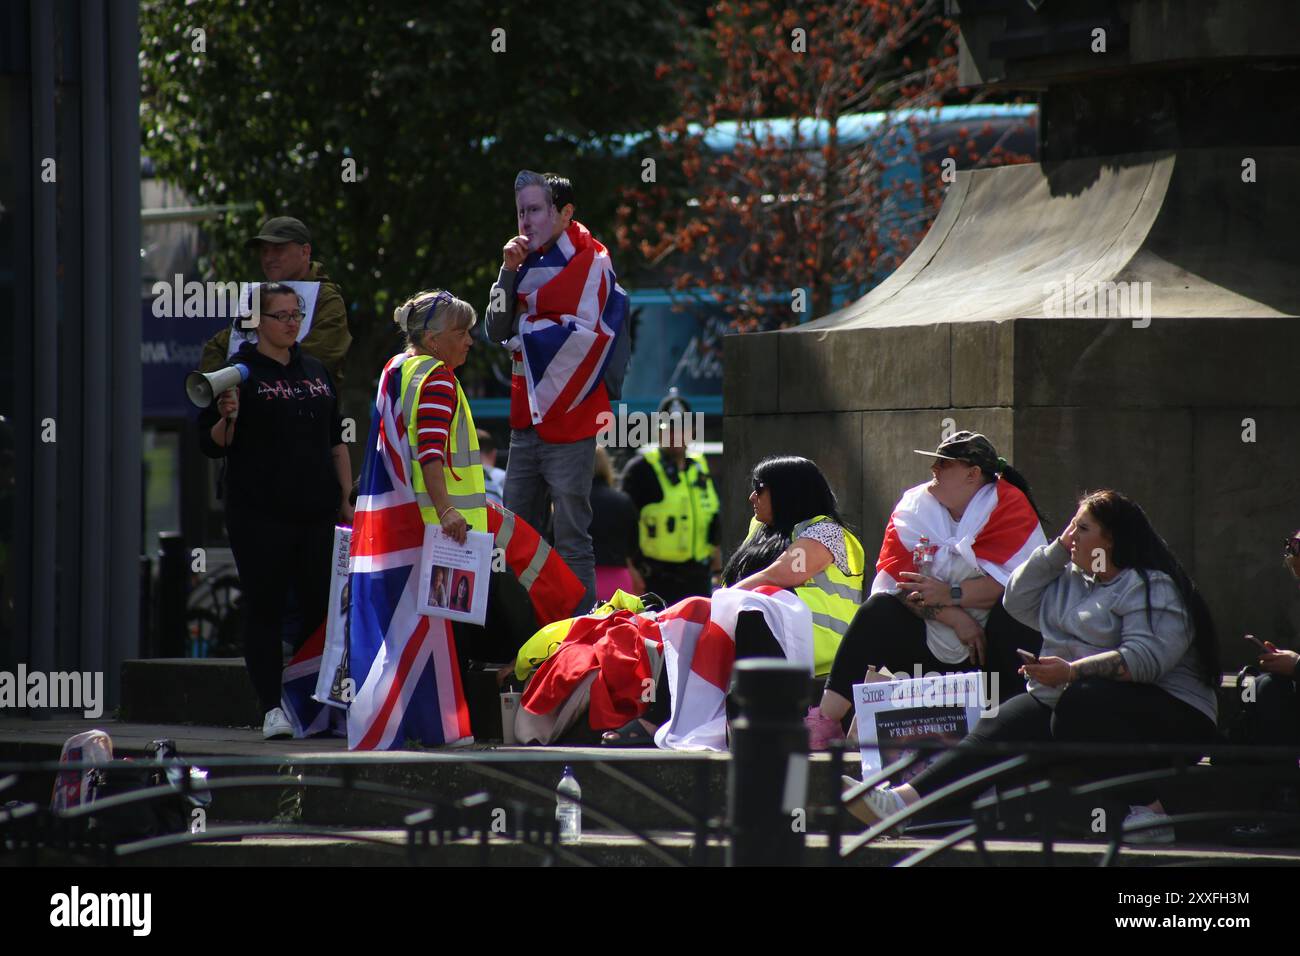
point(228, 403)
point(924, 589)
point(347, 514)
point(1280, 662)
point(1067, 536)
point(971, 634)
point(1049, 671)
point(454, 525)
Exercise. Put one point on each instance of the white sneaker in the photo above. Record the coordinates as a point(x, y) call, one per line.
point(875, 805)
point(276, 725)
point(1149, 835)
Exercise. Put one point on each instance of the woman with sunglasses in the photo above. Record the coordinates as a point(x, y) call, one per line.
point(797, 540)
point(287, 481)
point(936, 602)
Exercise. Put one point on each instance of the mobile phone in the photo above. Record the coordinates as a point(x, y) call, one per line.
point(1258, 643)
point(1026, 656)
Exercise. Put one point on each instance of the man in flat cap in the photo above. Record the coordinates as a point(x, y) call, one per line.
point(283, 247)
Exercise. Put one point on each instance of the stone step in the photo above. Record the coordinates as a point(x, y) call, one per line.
point(680, 778)
point(216, 692)
point(455, 774)
point(213, 691)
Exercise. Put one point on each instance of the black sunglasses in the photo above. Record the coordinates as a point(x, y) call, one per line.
point(758, 486)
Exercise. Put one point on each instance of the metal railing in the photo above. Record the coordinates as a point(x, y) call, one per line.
point(433, 820)
point(1046, 808)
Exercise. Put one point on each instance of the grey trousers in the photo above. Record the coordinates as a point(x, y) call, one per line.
point(539, 475)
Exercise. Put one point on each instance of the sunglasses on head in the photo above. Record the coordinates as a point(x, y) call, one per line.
point(442, 296)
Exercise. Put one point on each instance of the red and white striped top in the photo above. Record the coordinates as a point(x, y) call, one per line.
point(434, 414)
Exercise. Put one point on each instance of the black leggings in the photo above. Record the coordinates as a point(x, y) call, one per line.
point(885, 633)
point(1278, 711)
point(1092, 710)
point(273, 556)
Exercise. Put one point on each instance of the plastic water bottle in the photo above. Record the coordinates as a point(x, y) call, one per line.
point(568, 809)
point(923, 556)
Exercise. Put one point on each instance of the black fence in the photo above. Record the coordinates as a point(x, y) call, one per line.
point(1041, 794)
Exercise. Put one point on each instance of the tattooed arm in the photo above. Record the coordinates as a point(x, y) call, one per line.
point(968, 630)
point(1108, 664)
point(1057, 672)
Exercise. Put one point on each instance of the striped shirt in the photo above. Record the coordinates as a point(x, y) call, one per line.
point(434, 414)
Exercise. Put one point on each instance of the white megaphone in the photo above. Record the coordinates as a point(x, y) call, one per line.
point(203, 387)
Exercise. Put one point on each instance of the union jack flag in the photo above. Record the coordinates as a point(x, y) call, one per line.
point(572, 309)
point(404, 663)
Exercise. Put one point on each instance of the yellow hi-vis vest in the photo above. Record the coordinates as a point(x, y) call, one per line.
point(676, 529)
point(463, 470)
point(831, 595)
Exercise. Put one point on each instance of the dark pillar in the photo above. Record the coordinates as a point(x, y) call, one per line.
point(94, 342)
point(125, 399)
point(44, 515)
point(767, 783)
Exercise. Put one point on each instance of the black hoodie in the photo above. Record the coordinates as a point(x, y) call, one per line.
point(280, 462)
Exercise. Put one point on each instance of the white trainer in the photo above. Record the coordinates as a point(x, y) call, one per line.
point(276, 725)
point(875, 805)
point(1159, 834)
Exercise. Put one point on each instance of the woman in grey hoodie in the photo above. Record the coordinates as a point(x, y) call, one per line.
point(1129, 656)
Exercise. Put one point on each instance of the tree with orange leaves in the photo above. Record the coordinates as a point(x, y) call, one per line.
point(780, 187)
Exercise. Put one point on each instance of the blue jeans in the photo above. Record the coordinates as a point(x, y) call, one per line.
point(540, 474)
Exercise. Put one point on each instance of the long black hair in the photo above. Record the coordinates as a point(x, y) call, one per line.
point(1015, 478)
point(798, 491)
point(1137, 545)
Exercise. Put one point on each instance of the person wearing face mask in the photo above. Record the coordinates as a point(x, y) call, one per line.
point(558, 308)
point(979, 523)
point(288, 479)
point(1129, 655)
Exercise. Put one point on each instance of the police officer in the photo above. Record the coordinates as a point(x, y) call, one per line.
point(679, 529)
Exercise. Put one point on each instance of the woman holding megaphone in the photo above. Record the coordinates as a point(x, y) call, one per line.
point(288, 479)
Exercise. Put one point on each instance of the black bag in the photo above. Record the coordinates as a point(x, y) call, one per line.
point(156, 816)
point(1242, 727)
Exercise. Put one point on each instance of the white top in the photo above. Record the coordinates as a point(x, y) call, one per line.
point(830, 535)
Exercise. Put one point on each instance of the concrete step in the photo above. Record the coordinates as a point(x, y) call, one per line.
point(684, 779)
point(455, 774)
point(213, 691)
point(216, 692)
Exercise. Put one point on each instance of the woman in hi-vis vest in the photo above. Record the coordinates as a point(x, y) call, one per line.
point(798, 542)
point(448, 475)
